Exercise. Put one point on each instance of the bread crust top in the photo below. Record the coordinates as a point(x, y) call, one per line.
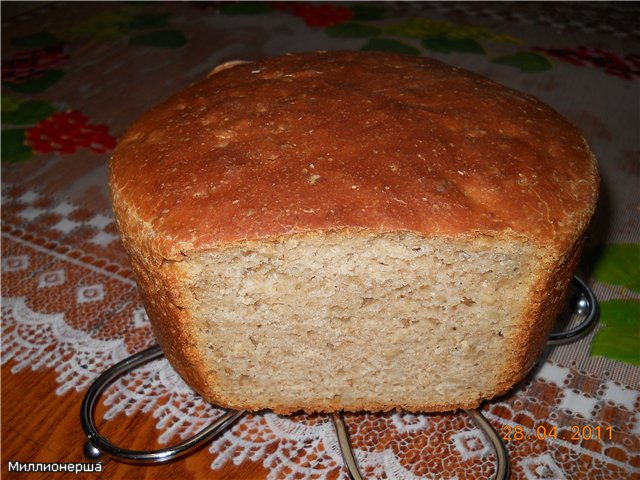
point(333, 140)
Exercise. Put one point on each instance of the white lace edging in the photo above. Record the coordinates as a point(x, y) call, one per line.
point(28, 338)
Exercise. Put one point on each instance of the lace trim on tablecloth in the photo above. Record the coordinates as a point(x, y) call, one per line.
point(39, 340)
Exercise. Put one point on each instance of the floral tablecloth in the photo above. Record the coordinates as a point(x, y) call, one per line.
point(74, 75)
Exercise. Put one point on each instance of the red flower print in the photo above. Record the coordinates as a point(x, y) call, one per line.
point(66, 132)
point(31, 64)
point(627, 67)
point(316, 15)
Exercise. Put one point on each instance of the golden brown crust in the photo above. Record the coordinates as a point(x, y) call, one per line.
point(345, 140)
point(157, 279)
point(330, 407)
point(545, 304)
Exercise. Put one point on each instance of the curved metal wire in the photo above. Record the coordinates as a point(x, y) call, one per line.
point(590, 304)
point(97, 444)
point(348, 457)
point(503, 469)
point(502, 456)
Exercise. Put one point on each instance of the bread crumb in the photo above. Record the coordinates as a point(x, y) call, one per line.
point(341, 287)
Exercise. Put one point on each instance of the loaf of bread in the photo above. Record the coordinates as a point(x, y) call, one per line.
point(352, 231)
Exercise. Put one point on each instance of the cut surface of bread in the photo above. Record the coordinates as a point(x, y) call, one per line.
point(352, 321)
point(352, 231)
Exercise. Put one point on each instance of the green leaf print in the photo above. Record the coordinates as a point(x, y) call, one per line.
point(619, 264)
point(527, 62)
point(13, 148)
point(619, 336)
point(109, 25)
point(26, 113)
point(149, 21)
point(10, 104)
point(443, 44)
point(389, 45)
point(417, 27)
point(365, 12)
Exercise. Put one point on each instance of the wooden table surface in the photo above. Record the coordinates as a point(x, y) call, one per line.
point(76, 74)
